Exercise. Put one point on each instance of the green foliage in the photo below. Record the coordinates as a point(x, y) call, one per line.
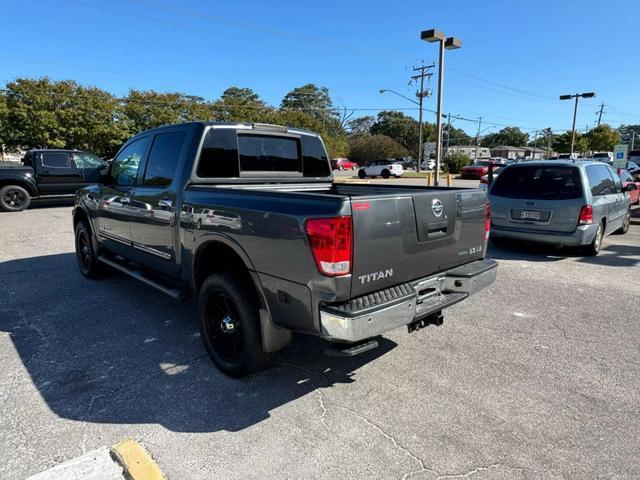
point(368, 148)
point(361, 125)
point(63, 114)
point(454, 162)
point(562, 143)
point(626, 132)
point(399, 127)
point(508, 136)
point(457, 136)
point(602, 138)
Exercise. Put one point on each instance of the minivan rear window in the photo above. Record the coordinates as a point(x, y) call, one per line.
point(538, 183)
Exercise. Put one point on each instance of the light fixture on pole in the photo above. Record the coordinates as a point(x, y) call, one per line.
point(450, 43)
point(575, 112)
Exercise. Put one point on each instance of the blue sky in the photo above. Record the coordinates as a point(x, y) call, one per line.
point(517, 57)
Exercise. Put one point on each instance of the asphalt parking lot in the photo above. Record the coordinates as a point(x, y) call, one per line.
point(536, 377)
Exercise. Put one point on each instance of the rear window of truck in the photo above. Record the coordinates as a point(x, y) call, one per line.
point(227, 153)
point(538, 183)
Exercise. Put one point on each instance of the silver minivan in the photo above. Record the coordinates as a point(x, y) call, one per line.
point(563, 202)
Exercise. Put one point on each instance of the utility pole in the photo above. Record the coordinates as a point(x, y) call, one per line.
point(600, 113)
point(535, 143)
point(424, 73)
point(633, 139)
point(478, 140)
point(549, 132)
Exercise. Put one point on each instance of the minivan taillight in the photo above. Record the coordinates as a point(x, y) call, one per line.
point(330, 240)
point(586, 215)
point(487, 220)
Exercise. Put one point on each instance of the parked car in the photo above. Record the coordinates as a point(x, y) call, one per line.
point(633, 168)
point(634, 156)
point(478, 169)
point(45, 174)
point(343, 164)
point(428, 164)
point(383, 168)
point(484, 180)
point(606, 157)
point(303, 254)
point(630, 185)
point(562, 203)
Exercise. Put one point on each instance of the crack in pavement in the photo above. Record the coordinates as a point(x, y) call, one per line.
point(471, 472)
point(137, 382)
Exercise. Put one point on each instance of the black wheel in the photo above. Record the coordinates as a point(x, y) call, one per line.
point(14, 198)
point(86, 257)
point(230, 325)
point(594, 247)
point(625, 224)
point(386, 173)
point(361, 174)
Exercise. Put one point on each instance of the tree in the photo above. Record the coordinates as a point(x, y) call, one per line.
point(361, 125)
point(398, 126)
point(626, 134)
point(241, 96)
point(311, 99)
point(602, 138)
point(368, 148)
point(510, 136)
point(562, 143)
point(457, 136)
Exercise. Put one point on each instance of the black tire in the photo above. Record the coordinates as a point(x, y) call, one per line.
point(594, 247)
point(625, 224)
point(14, 198)
point(86, 256)
point(230, 325)
point(361, 174)
point(386, 173)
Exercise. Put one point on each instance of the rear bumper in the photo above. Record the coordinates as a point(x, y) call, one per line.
point(376, 313)
point(583, 235)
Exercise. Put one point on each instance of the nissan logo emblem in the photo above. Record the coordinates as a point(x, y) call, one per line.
point(436, 207)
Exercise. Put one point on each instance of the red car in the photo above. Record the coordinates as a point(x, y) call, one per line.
point(478, 170)
point(627, 179)
point(343, 164)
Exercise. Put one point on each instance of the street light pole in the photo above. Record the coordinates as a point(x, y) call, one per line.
point(575, 112)
point(450, 43)
point(478, 140)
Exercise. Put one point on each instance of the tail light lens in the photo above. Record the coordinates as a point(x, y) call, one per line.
point(331, 241)
point(487, 220)
point(586, 215)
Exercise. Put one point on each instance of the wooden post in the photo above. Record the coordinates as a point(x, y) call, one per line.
point(449, 180)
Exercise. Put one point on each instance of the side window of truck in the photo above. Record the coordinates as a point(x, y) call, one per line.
point(163, 159)
point(56, 160)
point(314, 157)
point(219, 156)
point(124, 168)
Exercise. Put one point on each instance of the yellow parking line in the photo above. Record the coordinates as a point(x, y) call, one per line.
point(136, 461)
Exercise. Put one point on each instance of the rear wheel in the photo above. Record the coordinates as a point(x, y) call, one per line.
point(14, 198)
point(230, 325)
point(361, 174)
point(625, 224)
point(594, 247)
point(386, 173)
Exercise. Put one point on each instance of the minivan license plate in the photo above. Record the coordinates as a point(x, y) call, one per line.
point(529, 215)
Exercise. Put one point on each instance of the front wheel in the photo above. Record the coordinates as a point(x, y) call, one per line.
point(14, 198)
point(86, 256)
point(625, 224)
point(230, 325)
point(361, 174)
point(594, 247)
point(386, 174)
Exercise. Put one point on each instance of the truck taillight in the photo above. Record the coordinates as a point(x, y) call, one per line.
point(586, 215)
point(487, 220)
point(330, 240)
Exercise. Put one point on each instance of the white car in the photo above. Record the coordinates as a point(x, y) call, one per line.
point(428, 164)
point(383, 168)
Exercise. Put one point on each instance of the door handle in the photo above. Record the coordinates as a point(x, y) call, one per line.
point(165, 204)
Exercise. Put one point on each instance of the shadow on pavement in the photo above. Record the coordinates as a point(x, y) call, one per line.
point(611, 254)
point(115, 351)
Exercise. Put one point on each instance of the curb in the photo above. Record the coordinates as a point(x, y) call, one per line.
point(136, 461)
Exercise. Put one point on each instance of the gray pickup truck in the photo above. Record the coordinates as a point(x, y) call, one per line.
point(247, 217)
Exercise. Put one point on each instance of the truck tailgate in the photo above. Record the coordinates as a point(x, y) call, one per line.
point(406, 236)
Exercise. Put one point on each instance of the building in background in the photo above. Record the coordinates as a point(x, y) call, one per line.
point(470, 151)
